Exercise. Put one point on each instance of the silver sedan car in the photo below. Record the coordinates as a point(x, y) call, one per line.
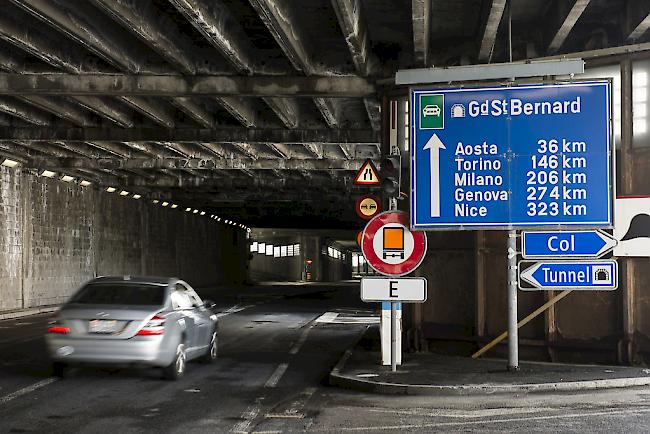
point(133, 321)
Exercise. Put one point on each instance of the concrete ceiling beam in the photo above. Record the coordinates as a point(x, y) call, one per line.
point(221, 135)
point(107, 109)
point(63, 109)
point(421, 17)
point(194, 163)
point(637, 19)
point(194, 110)
point(151, 109)
point(566, 24)
point(26, 112)
point(175, 85)
point(491, 28)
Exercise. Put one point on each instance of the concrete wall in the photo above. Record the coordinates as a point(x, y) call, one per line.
point(55, 235)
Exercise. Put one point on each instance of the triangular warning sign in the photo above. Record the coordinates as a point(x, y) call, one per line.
point(367, 175)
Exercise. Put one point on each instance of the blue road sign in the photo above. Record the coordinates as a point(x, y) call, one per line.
point(597, 274)
point(570, 244)
point(512, 157)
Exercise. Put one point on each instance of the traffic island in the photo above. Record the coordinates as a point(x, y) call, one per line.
point(433, 374)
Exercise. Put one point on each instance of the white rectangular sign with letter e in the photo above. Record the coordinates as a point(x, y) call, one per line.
point(399, 289)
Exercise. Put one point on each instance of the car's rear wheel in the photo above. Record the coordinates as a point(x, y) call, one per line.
point(176, 368)
point(58, 369)
point(212, 351)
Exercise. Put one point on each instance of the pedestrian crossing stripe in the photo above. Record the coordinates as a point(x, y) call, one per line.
point(367, 175)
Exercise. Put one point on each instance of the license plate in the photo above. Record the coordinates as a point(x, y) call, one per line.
point(102, 326)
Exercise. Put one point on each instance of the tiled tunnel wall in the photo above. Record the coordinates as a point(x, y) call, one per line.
point(55, 235)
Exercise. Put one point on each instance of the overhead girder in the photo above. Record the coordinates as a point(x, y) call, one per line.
point(637, 19)
point(241, 109)
point(107, 109)
point(176, 85)
point(421, 16)
point(62, 108)
point(88, 26)
point(155, 29)
point(194, 110)
point(195, 163)
point(491, 27)
point(151, 109)
point(23, 111)
point(278, 16)
point(221, 135)
point(566, 23)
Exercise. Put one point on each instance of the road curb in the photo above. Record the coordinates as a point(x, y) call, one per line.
point(381, 387)
point(27, 312)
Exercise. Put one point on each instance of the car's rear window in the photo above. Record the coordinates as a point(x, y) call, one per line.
point(120, 293)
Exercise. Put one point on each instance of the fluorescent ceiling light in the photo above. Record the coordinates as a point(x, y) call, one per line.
point(124, 193)
point(84, 183)
point(174, 206)
point(188, 209)
point(9, 163)
point(156, 201)
point(48, 174)
point(67, 178)
point(165, 203)
point(195, 211)
point(136, 196)
point(202, 212)
point(110, 189)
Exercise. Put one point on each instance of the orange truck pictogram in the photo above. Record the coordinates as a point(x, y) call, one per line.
point(393, 242)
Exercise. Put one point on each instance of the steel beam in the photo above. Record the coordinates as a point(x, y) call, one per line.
point(640, 29)
point(89, 27)
point(355, 31)
point(421, 12)
point(569, 21)
point(174, 85)
point(155, 29)
point(241, 109)
point(285, 109)
point(151, 109)
point(194, 110)
point(107, 109)
point(491, 28)
point(23, 111)
point(63, 109)
point(213, 19)
point(221, 135)
point(57, 163)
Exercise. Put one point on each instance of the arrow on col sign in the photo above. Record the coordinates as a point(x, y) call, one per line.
point(434, 145)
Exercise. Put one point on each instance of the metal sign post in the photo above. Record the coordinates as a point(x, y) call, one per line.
point(392, 206)
point(513, 337)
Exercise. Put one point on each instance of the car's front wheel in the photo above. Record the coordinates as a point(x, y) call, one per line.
point(176, 368)
point(212, 351)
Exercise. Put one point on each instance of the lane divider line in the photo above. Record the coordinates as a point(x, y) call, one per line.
point(274, 379)
point(303, 337)
point(248, 417)
point(25, 390)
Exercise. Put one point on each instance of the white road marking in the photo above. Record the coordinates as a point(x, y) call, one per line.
point(338, 318)
point(248, 417)
point(301, 340)
point(234, 309)
point(459, 414)
point(274, 379)
point(296, 408)
point(327, 317)
point(495, 421)
point(25, 390)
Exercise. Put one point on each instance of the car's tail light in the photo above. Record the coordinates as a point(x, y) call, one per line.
point(155, 326)
point(56, 327)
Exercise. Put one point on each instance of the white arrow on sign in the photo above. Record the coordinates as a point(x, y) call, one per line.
point(527, 275)
point(434, 145)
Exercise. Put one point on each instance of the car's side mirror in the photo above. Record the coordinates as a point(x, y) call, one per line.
point(209, 304)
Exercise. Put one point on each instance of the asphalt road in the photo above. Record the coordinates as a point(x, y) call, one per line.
point(274, 357)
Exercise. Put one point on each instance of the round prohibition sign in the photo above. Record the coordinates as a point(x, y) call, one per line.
point(389, 247)
point(367, 207)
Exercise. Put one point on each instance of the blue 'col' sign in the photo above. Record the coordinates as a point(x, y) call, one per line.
point(505, 157)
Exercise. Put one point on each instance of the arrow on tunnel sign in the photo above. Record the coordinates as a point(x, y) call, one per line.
point(552, 275)
point(367, 175)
